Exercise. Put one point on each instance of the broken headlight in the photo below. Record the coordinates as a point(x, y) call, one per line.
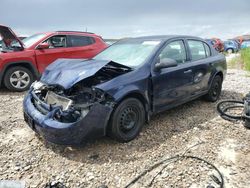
point(37, 85)
point(52, 98)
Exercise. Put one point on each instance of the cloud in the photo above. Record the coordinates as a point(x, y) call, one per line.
point(117, 18)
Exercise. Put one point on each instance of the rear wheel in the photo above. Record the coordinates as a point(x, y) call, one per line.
point(215, 90)
point(18, 78)
point(127, 120)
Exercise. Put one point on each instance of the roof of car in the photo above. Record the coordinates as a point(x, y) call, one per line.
point(68, 32)
point(75, 32)
point(164, 37)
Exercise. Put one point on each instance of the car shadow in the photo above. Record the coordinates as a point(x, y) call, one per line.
point(162, 127)
point(5, 91)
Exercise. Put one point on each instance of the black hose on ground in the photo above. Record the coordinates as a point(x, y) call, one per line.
point(220, 180)
point(224, 107)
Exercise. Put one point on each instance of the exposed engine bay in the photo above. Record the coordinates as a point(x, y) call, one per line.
point(73, 104)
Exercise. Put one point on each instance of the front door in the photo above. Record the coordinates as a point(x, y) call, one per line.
point(57, 49)
point(172, 85)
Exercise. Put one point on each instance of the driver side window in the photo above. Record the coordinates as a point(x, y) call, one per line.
point(58, 41)
point(174, 50)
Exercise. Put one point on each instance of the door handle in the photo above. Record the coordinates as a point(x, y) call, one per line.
point(187, 71)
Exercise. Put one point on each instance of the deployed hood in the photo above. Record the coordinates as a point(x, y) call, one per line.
point(68, 72)
point(8, 36)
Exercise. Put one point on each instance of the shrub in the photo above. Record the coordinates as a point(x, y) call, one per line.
point(245, 56)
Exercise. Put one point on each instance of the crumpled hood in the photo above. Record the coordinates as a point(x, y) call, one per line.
point(67, 72)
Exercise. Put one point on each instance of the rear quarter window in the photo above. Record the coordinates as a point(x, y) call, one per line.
point(76, 41)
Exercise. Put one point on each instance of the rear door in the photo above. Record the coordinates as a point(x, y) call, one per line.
point(81, 46)
point(201, 65)
point(172, 86)
point(58, 49)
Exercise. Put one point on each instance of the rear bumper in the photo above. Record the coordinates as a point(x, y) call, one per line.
point(92, 126)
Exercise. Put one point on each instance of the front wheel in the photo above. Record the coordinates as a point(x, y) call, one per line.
point(127, 120)
point(215, 90)
point(18, 78)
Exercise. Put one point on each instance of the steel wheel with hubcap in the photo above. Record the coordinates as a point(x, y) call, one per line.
point(127, 120)
point(18, 78)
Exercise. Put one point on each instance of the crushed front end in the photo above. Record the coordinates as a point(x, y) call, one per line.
point(67, 116)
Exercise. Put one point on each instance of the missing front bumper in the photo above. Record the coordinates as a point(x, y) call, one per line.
point(92, 126)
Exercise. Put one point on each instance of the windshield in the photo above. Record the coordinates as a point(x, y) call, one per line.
point(129, 53)
point(29, 41)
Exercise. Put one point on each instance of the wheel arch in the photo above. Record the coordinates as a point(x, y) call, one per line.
point(141, 98)
point(131, 95)
point(231, 48)
point(25, 64)
point(219, 73)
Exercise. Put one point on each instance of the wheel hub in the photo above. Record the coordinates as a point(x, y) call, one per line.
point(215, 90)
point(19, 79)
point(128, 119)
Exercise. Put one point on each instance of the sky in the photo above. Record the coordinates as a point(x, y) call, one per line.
point(129, 18)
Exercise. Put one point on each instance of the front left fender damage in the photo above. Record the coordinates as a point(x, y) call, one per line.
point(70, 108)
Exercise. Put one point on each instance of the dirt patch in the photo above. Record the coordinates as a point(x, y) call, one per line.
point(28, 158)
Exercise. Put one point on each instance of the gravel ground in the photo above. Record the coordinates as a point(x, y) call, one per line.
point(27, 158)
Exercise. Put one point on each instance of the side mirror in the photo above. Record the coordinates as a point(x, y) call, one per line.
point(43, 46)
point(165, 63)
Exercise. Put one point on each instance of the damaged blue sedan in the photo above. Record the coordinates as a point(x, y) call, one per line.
point(118, 90)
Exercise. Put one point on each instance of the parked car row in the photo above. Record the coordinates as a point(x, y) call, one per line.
point(245, 44)
point(217, 44)
point(229, 46)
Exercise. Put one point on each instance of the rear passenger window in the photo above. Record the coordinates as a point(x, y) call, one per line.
point(197, 50)
point(174, 50)
point(80, 40)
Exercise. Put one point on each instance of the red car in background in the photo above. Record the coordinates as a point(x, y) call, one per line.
point(23, 61)
point(217, 44)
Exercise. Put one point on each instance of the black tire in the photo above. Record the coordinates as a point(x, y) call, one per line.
point(127, 120)
point(12, 80)
point(215, 90)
